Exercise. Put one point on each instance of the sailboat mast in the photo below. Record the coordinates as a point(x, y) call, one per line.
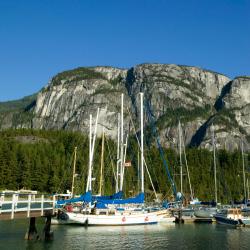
point(138, 169)
point(247, 190)
point(74, 170)
point(122, 145)
point(215, 177)
point(118, 154)
point(185, 158)
point(92, 150)
point(142, 157)
point(181, 174)
point(243, 170)
point(90, 146)
point(124, 157)
point(102, 164)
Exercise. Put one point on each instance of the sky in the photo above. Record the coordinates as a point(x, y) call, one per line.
point(40, 38)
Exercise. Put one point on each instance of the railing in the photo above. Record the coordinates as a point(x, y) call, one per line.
point(14, 203)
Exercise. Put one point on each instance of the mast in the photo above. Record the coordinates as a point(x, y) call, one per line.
point(74, 170)
point(91, 149)
point(215, 179)
point(185, 158)
point(118, 154)
point(247, 190)
point(102, 164)
point(142, 157)
point(243, 170)
point(122, 145)
point(90, 146)
point(138, 169)
point(179, 128)
point(124, 157)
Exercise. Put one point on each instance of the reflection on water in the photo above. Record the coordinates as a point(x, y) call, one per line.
point(190, 236)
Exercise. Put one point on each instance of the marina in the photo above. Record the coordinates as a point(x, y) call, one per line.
point(124, 125)
point(175, 236)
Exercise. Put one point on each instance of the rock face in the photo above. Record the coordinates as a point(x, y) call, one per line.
point(238, 102)
point(72, 96)
point(192, 95)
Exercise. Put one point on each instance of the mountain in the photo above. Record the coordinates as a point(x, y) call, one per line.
point(198, 97)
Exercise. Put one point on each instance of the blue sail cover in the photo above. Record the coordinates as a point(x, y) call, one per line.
point(117, 195)
point(83, 198)
point(137, 199)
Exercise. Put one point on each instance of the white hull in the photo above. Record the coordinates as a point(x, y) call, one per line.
point(112, 220)
point(118, 219)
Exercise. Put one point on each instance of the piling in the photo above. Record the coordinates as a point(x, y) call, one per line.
point(48, 235)
point(32, 234)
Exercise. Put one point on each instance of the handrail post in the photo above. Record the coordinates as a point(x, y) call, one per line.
point(1, 201)
point(54, 203)
point(13, 206)
point(42, 204)
point(29, 203)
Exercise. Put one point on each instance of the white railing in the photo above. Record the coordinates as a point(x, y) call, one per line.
point(15, 202)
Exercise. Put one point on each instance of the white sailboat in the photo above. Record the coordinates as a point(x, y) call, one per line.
point(129, 211)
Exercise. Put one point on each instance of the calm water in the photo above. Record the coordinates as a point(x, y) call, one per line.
point(189, 236)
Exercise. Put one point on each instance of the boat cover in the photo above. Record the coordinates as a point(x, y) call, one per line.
point(137, 199)
point(117, 195)
point(83, 198)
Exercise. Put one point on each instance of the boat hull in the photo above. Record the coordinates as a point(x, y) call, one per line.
point(227, 221)
point(120, 219)
point(206, 213)
point(112, 220)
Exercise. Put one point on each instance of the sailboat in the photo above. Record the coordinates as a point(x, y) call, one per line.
point(210, 209)
point(183, 150)
point(188, 210)
point(130, 211)
point(246, 209)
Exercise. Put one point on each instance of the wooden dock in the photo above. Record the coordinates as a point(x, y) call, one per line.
point(17, 206)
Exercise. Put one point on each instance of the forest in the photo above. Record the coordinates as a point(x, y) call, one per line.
point(43, 160)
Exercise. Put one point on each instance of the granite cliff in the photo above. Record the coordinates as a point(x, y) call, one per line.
point(196, 96)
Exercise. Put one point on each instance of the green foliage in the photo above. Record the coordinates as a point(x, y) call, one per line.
point(46, 165)
point(77, 75)
point(114, 82)
point(227, 118)
point(172, 116)
point(243, 77)
point(105, 89)
point(17, 105)
point(18, 112)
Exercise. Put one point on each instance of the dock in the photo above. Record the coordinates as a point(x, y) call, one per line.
point(20, 206)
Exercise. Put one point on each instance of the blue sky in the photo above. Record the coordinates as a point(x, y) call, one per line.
point(41, 38)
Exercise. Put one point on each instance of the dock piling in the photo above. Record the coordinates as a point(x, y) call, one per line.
point(32, 231)
point(48, 235)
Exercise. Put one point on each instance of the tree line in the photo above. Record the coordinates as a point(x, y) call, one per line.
point(43, 161)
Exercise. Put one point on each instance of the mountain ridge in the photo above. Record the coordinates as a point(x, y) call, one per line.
point(196, 96)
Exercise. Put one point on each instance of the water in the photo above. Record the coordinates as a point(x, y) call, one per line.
point(189, 236)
